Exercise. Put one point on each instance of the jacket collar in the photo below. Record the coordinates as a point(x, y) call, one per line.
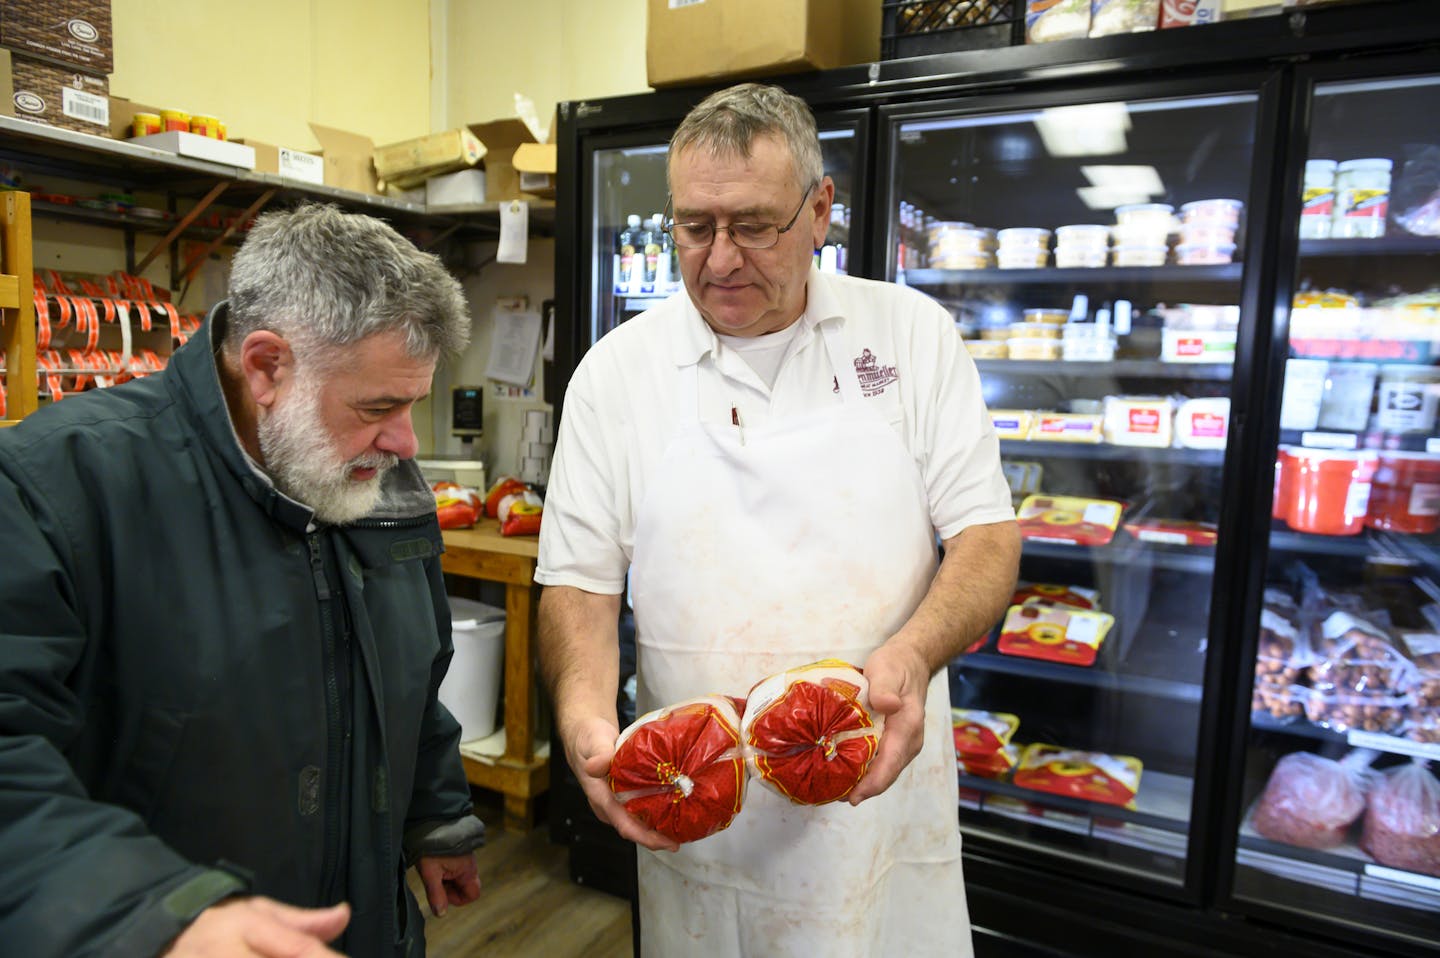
point(691, 338)
point(193, 378)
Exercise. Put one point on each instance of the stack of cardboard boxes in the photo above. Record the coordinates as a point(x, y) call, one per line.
point(483, 162)
point(56, 61)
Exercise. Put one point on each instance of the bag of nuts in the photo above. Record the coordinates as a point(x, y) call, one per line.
point(1280, 660)
point(1360, 678)
point(1423, 722)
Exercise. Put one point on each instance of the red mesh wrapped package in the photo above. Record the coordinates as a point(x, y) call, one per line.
point(680, 770)
point(1311, 801)
point(504, 486)
point(456, 506)
point(1402, 821)
point(809, 733)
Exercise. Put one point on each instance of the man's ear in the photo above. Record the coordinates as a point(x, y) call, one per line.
point(267, 363)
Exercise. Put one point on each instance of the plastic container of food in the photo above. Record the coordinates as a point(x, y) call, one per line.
point(1140, 234)
point(1088, 258)
point(1405, 494)
point(174, 121)
point(953, 259)
point(1058, 317)
point(1082, 236)
point(1331, 491)
point(1284, 492)
point(1155, 216)
point(1207, 234)
point(1362, 198)
point(144, 124)
point(1035, 331)
point(1318, 200)
point(1409, 396)
point(207, 126)
point(987, 349)
point(1187, 255)
point(1197, 345)
point(1139, 255)
point(1088, 350)
point(1217, 212)
point(1022, 238)
point(995, 332)
point(1034, 348)
point(1024, 259)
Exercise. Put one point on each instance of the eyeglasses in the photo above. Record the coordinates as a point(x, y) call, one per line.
point(744, 235)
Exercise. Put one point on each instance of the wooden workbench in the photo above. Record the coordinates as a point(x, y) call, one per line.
point(483, 553)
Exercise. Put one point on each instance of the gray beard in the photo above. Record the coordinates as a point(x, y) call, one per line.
point(303, 461)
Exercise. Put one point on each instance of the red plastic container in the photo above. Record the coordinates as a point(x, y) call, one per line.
point(1405, 494)
point(1331, 491)
point(1285, 466)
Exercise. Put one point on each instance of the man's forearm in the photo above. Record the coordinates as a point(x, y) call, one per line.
point(579, 654)
point(968, 595)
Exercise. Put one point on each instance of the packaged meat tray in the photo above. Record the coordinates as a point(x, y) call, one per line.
point(1424, 648)
point(1402, 820)
point(1054, 633)
point(980, 734)
point(680, 770)
point(1092, 776)
point(1310, 801)
point(997, 765)
point(1174, 532)
point(1044, 593)
point(809, 733)
point(1086, 522)
point(1355, 657)
point(1280, 661)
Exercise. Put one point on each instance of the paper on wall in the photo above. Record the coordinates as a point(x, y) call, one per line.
point(513, 345)
point(514, 227)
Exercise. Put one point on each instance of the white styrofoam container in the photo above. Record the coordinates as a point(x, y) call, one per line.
point(198, 147)
point(464, 188)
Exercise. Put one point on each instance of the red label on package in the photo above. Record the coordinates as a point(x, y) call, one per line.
point(1207, 424)
point(1145, 420)
point(1191, 346)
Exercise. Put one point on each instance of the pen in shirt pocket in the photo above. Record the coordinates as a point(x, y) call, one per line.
point(735, 420)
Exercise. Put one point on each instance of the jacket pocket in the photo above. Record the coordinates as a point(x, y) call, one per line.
point(142, 780)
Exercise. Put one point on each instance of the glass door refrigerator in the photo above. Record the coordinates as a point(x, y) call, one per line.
point(630, 263)
point(1095, 249)
point(1334, 820)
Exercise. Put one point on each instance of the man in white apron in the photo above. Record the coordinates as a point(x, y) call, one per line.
point(770, 457)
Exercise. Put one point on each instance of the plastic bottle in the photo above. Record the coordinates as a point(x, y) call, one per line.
point(626, 281)
point(1318, 199)
point(650, 243)
point(664, 278)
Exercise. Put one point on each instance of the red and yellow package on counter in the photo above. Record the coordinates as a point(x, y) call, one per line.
point(1086, 522)
point(1054, 633)
point(1090, 776)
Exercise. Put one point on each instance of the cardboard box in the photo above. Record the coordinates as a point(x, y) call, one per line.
point(71, 33)
point(122, 115)
point(198, 147)
point(702, 41)
point(502, 138)
point(348, 158)
point(285, 162)
point(536, 165)
point(412, 161)
point(464, 188)
point(56, 96)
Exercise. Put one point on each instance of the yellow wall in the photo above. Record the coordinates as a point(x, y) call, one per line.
point(549, 50)
point(266, 67)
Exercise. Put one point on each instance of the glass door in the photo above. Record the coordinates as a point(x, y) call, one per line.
point(1093, 255)
point(1340, 810)
point(634, 265)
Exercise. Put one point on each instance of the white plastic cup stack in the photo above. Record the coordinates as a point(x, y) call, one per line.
point(1023, 248)
point(1082, 245)
point(1207, 232)
point(1142, 234)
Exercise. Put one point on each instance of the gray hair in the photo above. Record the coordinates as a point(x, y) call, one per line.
point(728, 121)
point(323, 278)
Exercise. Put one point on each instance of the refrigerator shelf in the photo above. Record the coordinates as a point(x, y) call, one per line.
point(1039, 449)
point(1118, 369)
point(1159, 822)
point(1380, 442)
point(1379, 246)
point(1092, 676)
point(1346, 870)
point(1130, 552)
point(1355, 738)
point(1226, 276)
point(1369, 543)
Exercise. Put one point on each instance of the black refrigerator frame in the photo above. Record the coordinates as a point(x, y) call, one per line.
point(1051, 905)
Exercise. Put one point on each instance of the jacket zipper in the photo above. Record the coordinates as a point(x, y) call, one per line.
point(334, 719)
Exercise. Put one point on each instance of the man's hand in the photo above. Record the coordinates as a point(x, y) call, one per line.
point(590, 751)
point(898, 680)
point(261, 928)
point(449, 880)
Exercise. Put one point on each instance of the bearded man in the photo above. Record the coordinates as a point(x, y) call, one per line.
point(223, 625)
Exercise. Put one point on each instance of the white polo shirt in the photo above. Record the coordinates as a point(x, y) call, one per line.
point(620, 413)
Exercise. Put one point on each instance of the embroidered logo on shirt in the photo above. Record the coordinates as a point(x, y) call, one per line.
point(872, 375)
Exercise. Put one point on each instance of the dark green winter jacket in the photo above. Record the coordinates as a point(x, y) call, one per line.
point(201, 692)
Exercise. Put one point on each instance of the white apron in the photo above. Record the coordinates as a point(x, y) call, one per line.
point(800, 540)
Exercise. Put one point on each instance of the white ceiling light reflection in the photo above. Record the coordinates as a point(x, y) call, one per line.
point(1092, 129)
point(1112, 186)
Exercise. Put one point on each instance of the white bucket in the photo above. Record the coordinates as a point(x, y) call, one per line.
point(471, 689)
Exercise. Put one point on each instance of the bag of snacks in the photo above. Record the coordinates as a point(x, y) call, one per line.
point(1359, 676)
point(809, 733)
point(1092, 776)
point(997, 765)
point(1280, 660)
point(680, 770)
point(502, 487)
point(1402, 822)
point(979, 734)
point(456, 506)
point(1311, 801)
